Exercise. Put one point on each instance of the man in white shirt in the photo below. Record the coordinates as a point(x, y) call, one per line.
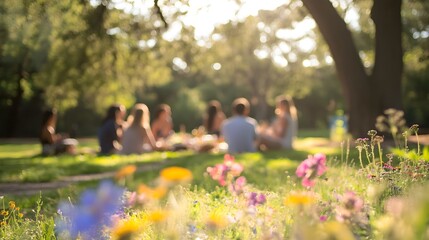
point(239, 131)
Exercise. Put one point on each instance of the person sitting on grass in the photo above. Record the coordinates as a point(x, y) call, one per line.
point(214, 118)
point(138, 137)
point(162, 125)
point(239, 131)
point(51, 142)
point(110, 132)
point(283, 130)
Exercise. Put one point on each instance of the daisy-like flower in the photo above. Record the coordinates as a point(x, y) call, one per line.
point(125, 230)
point(176, 175)
point(157, 216)
point(151, 193)
point(216, 221)
point(299, 199)
point(12, 205)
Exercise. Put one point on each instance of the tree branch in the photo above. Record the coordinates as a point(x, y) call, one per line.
point(160, 14)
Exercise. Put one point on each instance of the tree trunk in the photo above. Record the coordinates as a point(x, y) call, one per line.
point(388, 66)
point(366, 96)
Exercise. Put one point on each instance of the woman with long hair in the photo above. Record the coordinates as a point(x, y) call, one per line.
point(213, 118)
point(51, 142)
point(162, 125)
point(283, 129)
point(138, 137)
point(110, 132)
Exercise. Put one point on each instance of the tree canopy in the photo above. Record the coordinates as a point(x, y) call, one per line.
point(82, 56)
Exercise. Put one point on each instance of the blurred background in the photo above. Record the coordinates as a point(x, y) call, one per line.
point(82, 56)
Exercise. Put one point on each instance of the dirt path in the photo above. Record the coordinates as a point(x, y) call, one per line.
point(35, 188)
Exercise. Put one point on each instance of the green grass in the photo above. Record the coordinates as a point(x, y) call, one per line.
point(271, 173)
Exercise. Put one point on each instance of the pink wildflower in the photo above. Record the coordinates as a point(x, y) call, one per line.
point(311, 168)
point(224, 173)
point(350, 205)
point(238, 186)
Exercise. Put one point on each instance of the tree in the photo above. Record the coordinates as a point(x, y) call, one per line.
point(367, 94)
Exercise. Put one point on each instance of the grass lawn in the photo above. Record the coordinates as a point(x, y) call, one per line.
point(206, 210)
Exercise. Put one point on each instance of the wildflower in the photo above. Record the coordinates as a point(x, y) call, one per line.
point(335, 230)
point(237, 186)
point(216, 221)
point(4, 212)
point(125, 230)
point(361, 143)
point(219, 173)
point(299, 199)
point(3, 223)
point(92, 212)
point(152, 193)
point(323, 218)
point(224, 173)
point(350, 205)
point(176, 174)
point(372, 133)
point(378, 139)
point(254, 199)
point(395, 206)
point(12, 205)
point(157, 216)
point(414, 128)
point(20, 215)
point(125, 171)
point(311, 168)
point(234, 168)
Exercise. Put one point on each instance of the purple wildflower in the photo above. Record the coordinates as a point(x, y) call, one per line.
point(254, 199)
point(93, 211)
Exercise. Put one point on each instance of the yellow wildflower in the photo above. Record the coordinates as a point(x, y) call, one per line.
point(299, 199)
point(176, 174)
point(335, 230)
point(125, 171)
point(125, 230)
point(216, 221)
point(20, 215)
point(157, 216)
point(153, 193)
point(17, 208)
point(3, 223)
point(4, 212)
point(12, 205)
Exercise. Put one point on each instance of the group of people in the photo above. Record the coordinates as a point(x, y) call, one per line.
point(136, 134)
point(242, 133)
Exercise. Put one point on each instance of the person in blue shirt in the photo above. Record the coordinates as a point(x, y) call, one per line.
point(239, 131)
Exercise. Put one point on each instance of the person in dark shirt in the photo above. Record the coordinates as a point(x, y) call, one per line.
point(110, 132)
